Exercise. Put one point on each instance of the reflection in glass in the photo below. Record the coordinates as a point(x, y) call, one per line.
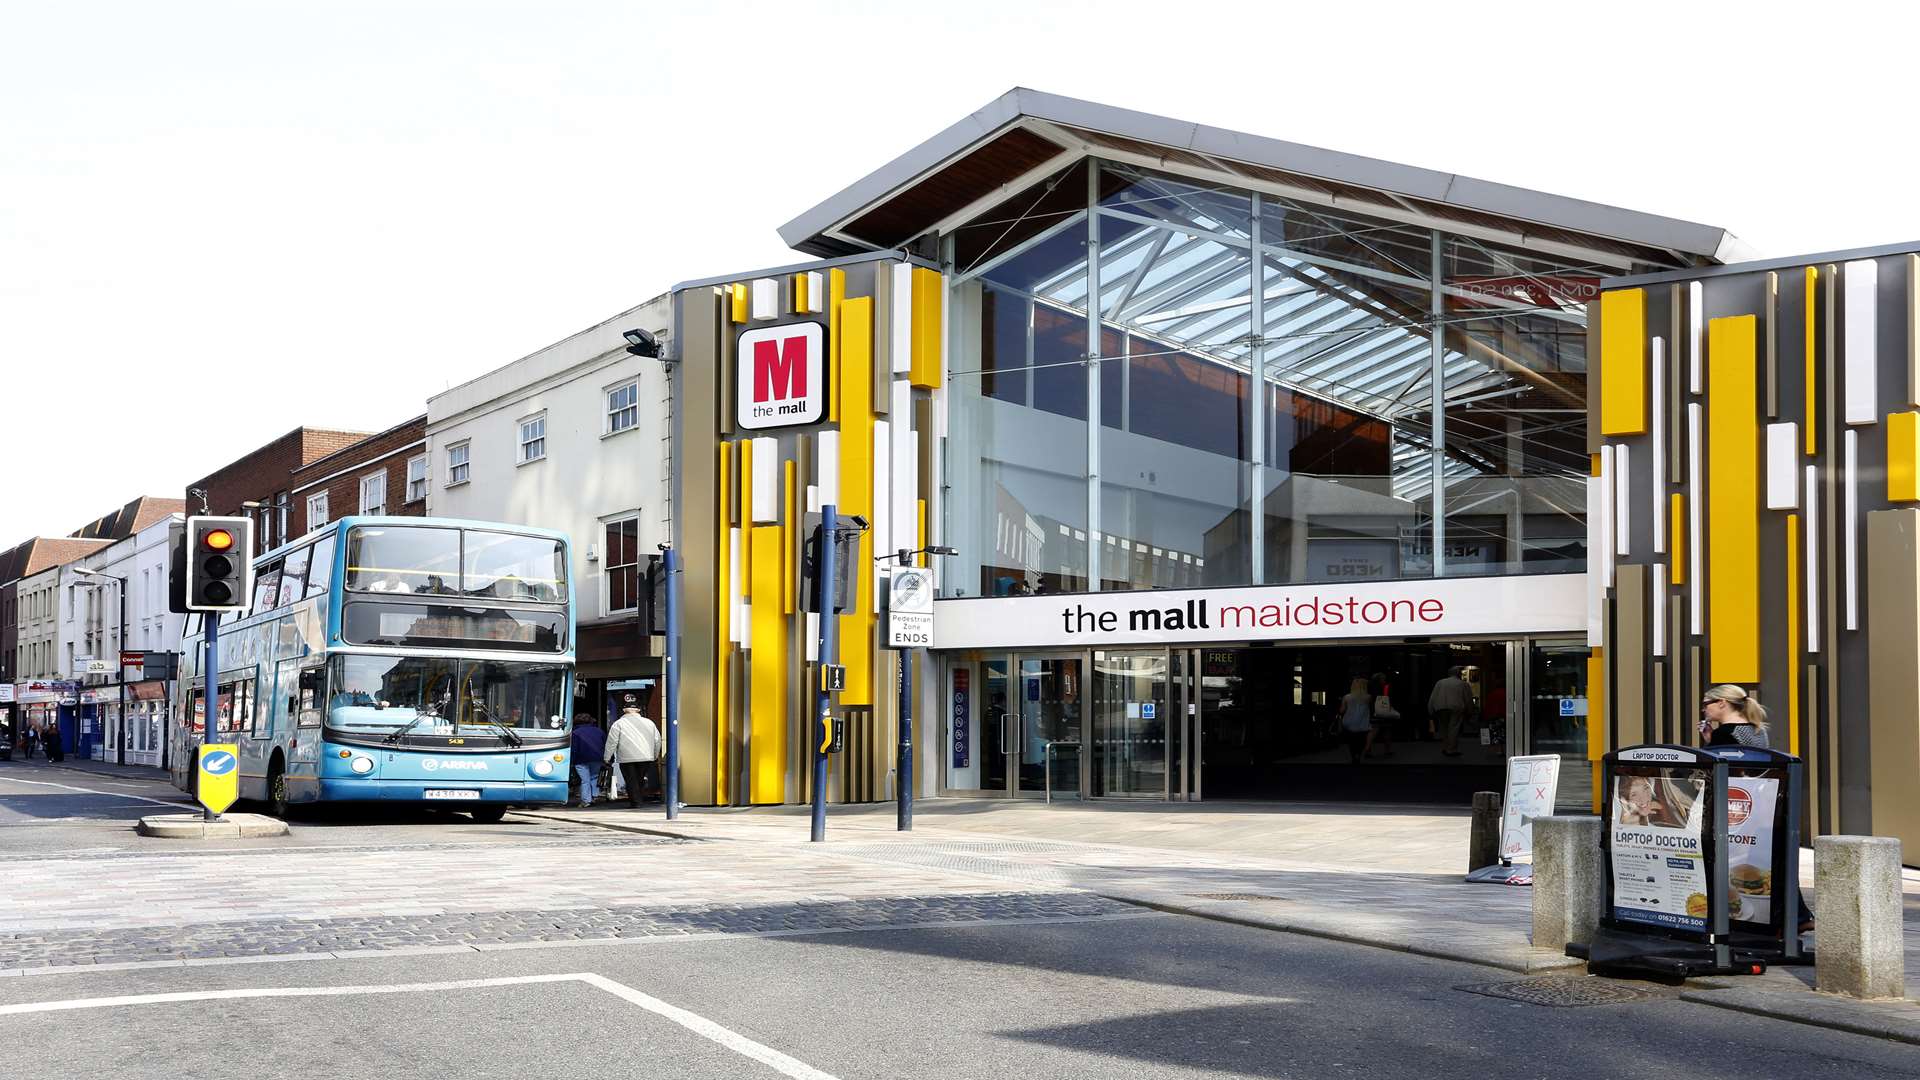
point(1265, 384)
point(444, 696)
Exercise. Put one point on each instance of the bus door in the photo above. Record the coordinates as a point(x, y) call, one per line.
point(307, 705)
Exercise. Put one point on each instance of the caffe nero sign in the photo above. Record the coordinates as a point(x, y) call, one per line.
point(1480, 605)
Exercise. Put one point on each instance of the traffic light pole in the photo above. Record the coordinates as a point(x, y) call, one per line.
point(903, 773)
point(210, 669)
point(823, 701)
point(670, 786)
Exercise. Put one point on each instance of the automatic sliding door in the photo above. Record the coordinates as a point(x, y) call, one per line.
point(1051, 695)
point(1130, 724)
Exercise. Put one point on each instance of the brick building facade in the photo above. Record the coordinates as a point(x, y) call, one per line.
point(265, 476)
point(383, 473)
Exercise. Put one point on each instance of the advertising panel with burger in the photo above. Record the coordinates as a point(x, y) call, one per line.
point(1750, 812)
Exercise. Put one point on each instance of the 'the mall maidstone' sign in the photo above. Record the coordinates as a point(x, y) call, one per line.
point(780, 376)
point(1532, 604)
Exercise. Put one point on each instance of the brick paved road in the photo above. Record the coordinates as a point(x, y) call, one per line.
point(477, 931)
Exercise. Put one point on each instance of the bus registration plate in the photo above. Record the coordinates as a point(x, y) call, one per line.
point(449, 793)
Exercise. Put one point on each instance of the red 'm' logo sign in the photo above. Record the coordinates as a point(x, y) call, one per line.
point(780, 376)
point(780, 368)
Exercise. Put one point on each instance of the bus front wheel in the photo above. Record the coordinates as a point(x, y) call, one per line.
point(277, 791)
point(487, 815)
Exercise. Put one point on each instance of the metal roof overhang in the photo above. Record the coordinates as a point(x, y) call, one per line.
point(1025, 136)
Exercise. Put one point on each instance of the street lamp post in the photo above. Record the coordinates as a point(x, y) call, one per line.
point(120, 584)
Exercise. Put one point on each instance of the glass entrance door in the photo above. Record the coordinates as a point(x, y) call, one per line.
point(1131, 722)
point(1046, 744)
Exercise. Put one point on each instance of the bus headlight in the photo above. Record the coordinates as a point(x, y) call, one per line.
point(362, 765)
point(543, 767)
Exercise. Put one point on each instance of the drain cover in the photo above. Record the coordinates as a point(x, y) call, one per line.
point(1237, 896)
point(1561, 992)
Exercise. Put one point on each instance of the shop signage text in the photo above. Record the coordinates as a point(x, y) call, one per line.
point(1449, 606)
point(780, 376)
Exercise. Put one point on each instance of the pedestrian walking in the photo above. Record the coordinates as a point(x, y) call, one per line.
point(27, 739)
point(1356, 719)
point(1448, 707)
point(634, 744)
point(1384, 714)
point(589, 745)
point(1728, 717)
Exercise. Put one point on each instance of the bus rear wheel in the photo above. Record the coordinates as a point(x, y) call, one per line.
point(488, 815)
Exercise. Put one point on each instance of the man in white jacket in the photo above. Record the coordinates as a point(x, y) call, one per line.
point(633, 744)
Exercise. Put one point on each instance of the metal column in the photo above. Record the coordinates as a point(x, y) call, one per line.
point(1439, 408)
point(1257, 350)
point(1093, 375)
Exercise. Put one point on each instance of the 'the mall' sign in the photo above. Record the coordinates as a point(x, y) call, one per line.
point(1450, 607)
point(780, 376)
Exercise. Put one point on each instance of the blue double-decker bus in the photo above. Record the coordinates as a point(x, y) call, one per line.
point(395, 660)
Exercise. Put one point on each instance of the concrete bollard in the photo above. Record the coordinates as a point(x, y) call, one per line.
point(1483, 841)
point(1858, 949)
point(1568, 886)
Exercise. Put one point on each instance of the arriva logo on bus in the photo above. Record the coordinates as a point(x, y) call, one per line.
point(435, 764)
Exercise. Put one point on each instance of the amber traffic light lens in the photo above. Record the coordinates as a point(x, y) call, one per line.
point(217, 540)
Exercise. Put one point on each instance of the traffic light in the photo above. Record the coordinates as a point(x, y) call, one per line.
point(219, 562)
point(846, 553)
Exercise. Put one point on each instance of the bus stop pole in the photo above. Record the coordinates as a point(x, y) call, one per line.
point(210, 671)
point(670, 786)
point(823, 701)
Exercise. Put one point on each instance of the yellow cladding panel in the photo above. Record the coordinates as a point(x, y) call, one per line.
point(836, 292)
point(1597, 722)
point(741, 306)
point(1623, 362)
point(744, 516)
point(1733, 501)
point(799, 293)
point(1593, 465)
point(1677, 534)
point(1813, 289)
point(924, 371)
point(1596, 717)
point(920, 515)
point(856, 489)
point(1793, 633)
point(767, 722)
point(1903, 457)
point(723, 631)
point(789, 573)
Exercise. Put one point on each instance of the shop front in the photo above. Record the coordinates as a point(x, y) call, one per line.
point(1214, 425)
point(1237, 694)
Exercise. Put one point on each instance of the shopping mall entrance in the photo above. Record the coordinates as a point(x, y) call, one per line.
point(1263, 721)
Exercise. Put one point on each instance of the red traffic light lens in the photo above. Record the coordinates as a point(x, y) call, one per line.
point(216, 540)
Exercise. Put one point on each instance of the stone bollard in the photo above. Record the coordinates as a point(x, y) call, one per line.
point(1568, 888)
point(1858, 947)
point(1483, 842)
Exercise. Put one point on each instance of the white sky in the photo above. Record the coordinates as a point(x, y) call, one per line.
point(320, 213)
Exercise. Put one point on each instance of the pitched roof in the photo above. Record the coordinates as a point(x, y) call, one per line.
point(131, 518)
point(1024, 136)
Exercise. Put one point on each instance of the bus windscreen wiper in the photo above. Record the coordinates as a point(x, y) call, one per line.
point(506, 733)
point(432, 711)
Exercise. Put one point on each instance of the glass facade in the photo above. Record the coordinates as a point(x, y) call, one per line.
point(1158, 382)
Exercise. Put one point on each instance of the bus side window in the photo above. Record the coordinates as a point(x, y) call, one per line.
point(313, 696)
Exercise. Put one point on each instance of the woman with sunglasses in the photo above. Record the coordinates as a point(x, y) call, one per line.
point(1729, 717)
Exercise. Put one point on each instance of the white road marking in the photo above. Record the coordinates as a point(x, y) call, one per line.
point(694, 1022)
point(89, 791)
